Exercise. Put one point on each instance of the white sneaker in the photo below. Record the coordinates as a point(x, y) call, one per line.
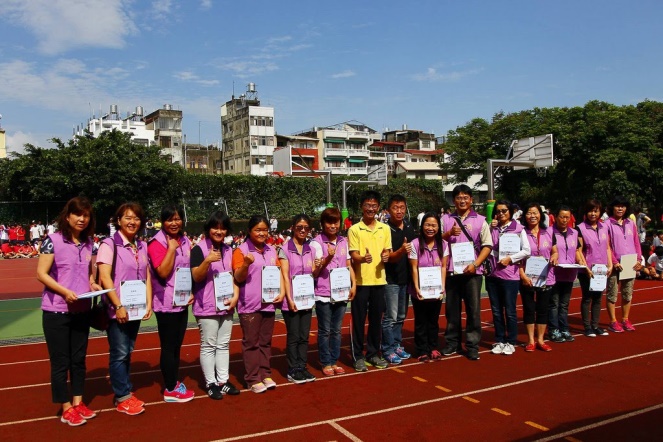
point(508, 349)
point(498, 348)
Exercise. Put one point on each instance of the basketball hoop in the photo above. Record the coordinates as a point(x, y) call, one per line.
point(541, 171)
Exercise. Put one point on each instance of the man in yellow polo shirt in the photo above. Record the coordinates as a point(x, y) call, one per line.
point(369, 245)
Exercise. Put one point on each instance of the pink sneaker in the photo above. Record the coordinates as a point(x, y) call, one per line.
point(626, 324)
point(178, 394)
point(71, 417)
point(616, 327)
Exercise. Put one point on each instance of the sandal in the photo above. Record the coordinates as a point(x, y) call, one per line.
point(338, 370)
point(328, 371)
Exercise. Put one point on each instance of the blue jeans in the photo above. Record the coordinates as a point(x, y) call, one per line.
point(121, 341)
point(396, 300)
point(558, 315)
point(330, 319)
point(503, 295)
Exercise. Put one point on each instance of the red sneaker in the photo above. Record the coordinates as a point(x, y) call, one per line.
point(84, 411)
point(131, 406)
point(530, 347)
point(71, 417)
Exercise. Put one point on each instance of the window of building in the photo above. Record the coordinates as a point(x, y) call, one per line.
point(335, 163)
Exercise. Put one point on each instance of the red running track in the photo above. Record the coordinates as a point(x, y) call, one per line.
point(19, 279)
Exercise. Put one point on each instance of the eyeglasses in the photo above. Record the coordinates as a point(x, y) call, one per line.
point(371, 206)
point(502, 211)
point(302, 228)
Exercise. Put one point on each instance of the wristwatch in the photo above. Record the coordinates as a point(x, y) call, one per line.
point(117, 307)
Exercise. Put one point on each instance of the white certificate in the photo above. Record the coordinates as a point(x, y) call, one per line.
point(509, 245)
point(600, 279)
point(339, 280)
point(430, 282)
point(536, 269)
point(271, 283)
point(462, 255)
point(133, 296)
point(182, 286)
point(571, 266)
point(303, 292)
point(223, 289)
point(627, 262)
point(93, 294)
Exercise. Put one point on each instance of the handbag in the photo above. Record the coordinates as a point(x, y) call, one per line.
point(488, 265)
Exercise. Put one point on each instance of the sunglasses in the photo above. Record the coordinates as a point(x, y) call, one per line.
point(502, 211)
point(302, 228)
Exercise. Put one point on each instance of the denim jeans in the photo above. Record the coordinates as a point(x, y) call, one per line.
point(330, 319)
point(121, 341)
point(558, 315)
point(503, 295)
point(396, 302)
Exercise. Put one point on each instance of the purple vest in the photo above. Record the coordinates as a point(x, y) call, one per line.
point(71, 269)
point(623, 239)
point(322, 284)
point(595, 243)
point(542, 246)
point(163, 289)
point(429, 258)
point(128, 267)
point(250, 292)
point(204, 300)
point(473, 224)
point(510, 272)
point(299, 264)
point(566, 249)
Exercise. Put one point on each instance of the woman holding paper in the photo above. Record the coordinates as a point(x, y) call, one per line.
point(510, 246)
point(256, 272)
point(593, 236)
point(332, 258)
point(428, 261)
point(215, 297)
point(297, 266)
point(65, 269)
point(626, 258)
point(170, 254)
point(536, 279)
point(123, 266)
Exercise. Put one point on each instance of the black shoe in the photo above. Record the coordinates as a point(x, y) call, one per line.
point(296, 376)
point(448, 350)
point(307, 375)
point(229, 389)
point(472, 354)
point(214, 392)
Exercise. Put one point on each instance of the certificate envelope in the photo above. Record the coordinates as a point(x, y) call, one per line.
point(536, 268)
point(182, 286)
point(271, 283)
point(303, 292)
point(462, 255)
point(93, 294)
point(571, 266)
point(509, 245)
point(340, 283)
point(223, 289)
point(133, 295)
point(600, 279)
point(430, 282)
point(627, 262)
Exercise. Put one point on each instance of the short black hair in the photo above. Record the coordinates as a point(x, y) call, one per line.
point(461, 188)
point(369, 195)
point(396, 199)
point(217, 219)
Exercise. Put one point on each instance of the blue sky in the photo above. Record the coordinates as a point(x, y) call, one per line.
point(433, 65)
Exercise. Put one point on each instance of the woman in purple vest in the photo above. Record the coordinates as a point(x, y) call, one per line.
point(123, 264)
point(65, 269)
point(510, 246)
point(211, 257)
point(170, 252)
point(255, 316)
point(624, 240)
point(535, 299)
point(593, 236)
point(428, 250)
point(331, 252)
point(297, 258)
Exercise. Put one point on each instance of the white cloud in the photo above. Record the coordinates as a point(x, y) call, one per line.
point(17, 140)
point(190, 76)
point(432, 74)
point(61, 25)
point(344, 74)
point(206, 4)
point(247, 68)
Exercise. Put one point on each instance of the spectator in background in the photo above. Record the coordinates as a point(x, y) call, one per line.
point(641, 221)
point(12, 233)
point(655, 264)
point(658, 239)
point(273, 224)
point(111, 227)
point(4, 237)
point(42, 229)
point(34, 233)
point(20, 233)
point(52, 227)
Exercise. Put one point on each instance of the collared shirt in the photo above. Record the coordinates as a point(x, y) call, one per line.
point(360, 238)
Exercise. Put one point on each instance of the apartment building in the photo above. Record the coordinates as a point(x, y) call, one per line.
point(167, 126)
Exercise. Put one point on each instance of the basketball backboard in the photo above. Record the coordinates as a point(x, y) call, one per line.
point(531, 152)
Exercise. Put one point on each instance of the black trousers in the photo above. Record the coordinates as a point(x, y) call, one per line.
point(536, 302)
point(66, 338)
point(172, 327)
point(426, 325)
point(298, 325)
point(369, 301)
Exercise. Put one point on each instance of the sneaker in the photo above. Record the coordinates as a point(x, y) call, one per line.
point(498, 348)
point(600, 332)
point(568, 337)
point(543, 347)
point(258, 388)
point(509, 349)
point(626, 324)
point(556, 336)
point(328, 370)
point(308, 376)
point(448, 350)
point(84, 411)
point(178, 394)
point(296, 376)
point(269, 383)
point(530, 347)
point(138, 401)
point(338, 370)
point(400, 351)
point(131, 406)
point(214, 392)
point(377, 362)
point(423, 358)
point(229, 389)
point(616, 327)
point(590, 333)
point(435, 355)
point(393, 359)
point(473, 354)
point(72, 418)
point(360, 365)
